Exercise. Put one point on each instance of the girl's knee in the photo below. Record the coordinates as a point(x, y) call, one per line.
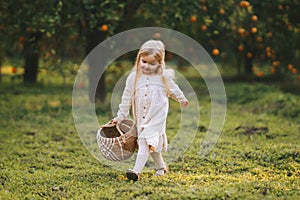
point(151, 148)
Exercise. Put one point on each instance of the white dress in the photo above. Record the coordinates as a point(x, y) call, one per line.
point(151, 106)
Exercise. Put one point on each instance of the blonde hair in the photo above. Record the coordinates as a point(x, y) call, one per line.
point(157, 49)
point(151, 47)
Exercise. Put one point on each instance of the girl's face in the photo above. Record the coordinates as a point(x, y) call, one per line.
point(149, 65)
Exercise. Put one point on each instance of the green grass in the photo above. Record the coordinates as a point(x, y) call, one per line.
point(256, 157)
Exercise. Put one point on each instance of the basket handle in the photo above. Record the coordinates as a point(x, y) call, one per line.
point(121, 133)
point(109, 124)
point(120, 129)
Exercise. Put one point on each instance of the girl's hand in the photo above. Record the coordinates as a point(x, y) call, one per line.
point(116, 121)
point(112, 122)
point(185, 103)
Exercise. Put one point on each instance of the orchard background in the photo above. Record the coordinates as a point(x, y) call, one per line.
point(254, 38)
point(255, 45)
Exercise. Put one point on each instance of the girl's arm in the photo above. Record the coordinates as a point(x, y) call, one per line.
point(174, 90)
point(126, 103)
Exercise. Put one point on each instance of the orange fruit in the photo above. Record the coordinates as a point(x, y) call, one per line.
point(47, 55)
point(254, 68)
point(290, 66)
point(268, 49)
point(104, 27)
point(157, 35)
point(215, 52)
point(245, 4)
point(260, 74)
point(287, 7)
point(273, 56)
point(269, 54)
point(73, 37)
point(21, 39)
point(270, 34)
point(193, 19)
point(254, 18)
point(14, 70)
point(221, 11)
point(294, 71)
point(280, 7)
point(29, 29)
point(253, 30)
point(246, 33)
point(241, 47)
point(203, 27)
point(241, 31)
point(249, 55)
point(276, 63)
point(298, 77)
point(204, 8)
point(259, 39)
point(273, 70)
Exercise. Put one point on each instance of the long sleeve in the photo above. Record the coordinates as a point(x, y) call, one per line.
point(175, 92)
point(126, 102)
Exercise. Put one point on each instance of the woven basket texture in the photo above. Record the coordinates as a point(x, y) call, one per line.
point(117, 142)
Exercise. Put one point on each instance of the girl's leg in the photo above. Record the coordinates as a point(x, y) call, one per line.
point(158, 159)
point(142, 156)
point(160, 164)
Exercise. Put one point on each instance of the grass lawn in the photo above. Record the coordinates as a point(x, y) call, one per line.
point(256, 157)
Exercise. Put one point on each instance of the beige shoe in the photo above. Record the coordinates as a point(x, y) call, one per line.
point(131, 175)
point(161, 171)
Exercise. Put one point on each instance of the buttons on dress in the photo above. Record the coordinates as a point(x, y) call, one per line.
point(147, 95)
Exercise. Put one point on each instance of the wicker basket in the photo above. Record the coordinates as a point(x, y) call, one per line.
point(117, 142)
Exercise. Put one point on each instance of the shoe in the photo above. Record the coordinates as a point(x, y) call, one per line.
point(131, 175)
point(161, 171)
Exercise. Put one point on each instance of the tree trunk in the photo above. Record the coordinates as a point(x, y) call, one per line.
point(31, 59)
point(248, 65)
point(129, 11)
point(93, 39)
point(239, 65)
point(0, 71)
point(31, 66)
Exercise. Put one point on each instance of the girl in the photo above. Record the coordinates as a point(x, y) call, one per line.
point(147, 90)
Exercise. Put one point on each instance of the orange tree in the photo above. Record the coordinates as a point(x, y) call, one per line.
point(100, 19)
point(94, 22)
point(46, 28)
point(262, 32)
point(251, 31)
point(24, 25)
